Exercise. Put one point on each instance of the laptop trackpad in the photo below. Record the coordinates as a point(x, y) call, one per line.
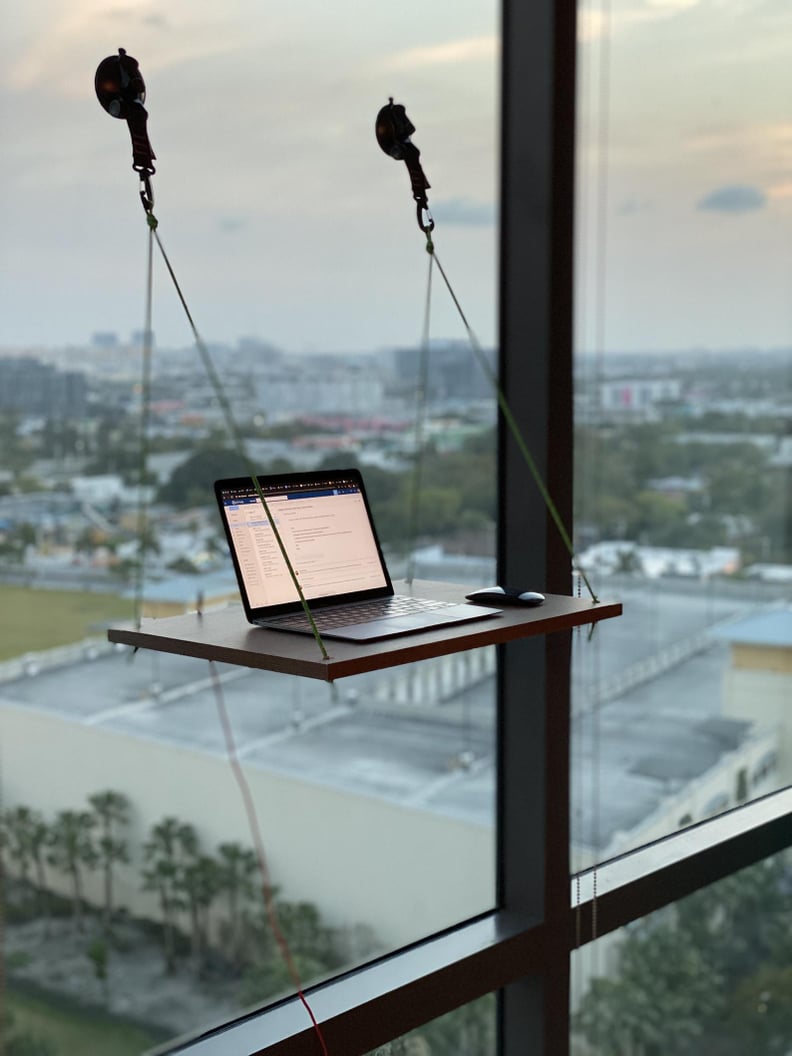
point(411, 623)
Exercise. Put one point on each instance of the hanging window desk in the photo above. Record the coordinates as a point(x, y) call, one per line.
point(225, 635)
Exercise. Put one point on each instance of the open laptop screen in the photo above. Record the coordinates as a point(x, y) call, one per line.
point(324, 523)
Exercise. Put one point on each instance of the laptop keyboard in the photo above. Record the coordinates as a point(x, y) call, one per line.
point(359, 612)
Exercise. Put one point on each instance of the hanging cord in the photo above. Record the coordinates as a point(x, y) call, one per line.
point(120, 89)
point(517, 436)
point(143, 533)
point(600, 322)
point(258, 844)
point(418, 434)
point(393, 131)
point(121, 92)
point(239, 774)
point(236, 437)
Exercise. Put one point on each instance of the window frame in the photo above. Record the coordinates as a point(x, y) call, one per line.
point(374, 1004)
point(522, 949)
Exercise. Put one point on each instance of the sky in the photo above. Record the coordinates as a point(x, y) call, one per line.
point(284, 220)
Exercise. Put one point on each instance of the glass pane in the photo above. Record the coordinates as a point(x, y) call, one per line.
point(133, 902)
point(468, 1031)
point(710, 973)
point(683, 371)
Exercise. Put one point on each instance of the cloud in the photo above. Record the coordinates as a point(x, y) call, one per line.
point(464, 212)
point(155, 21)
point(595, 23)
point(57, 58)
point(737, 198)
point(450, 53)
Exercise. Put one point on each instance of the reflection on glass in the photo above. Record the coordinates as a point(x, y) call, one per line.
point(683, 467)
point(710, 973)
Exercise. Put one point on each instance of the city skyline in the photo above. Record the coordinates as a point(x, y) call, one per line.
point(284, 220)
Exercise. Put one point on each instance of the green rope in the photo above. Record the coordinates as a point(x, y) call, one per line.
point(514, 428)
point(145, 409)
point(235, 434)
point(418, 433)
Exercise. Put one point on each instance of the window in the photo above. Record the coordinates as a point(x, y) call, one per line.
point(521, 949)
point(161, 848)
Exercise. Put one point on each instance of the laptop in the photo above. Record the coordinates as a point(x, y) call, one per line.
point(325, 524)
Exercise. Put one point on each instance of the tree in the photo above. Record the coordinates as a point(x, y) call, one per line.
point(17, 827)
point(305, 932)
point(308, 942)
point(708, 975)
point(467, 1031)
point(745, 922)
point(759, 1017)
point(164, 853)
point(191, 483)
point(39, 841)
point(71, 850)
point(238, 871)
point(87, 541)
point(112, 810)
point(97, 955)
point(17, 454)
point(658, 1005)
point(200, 882)
point(25, 835)
point(15, 541)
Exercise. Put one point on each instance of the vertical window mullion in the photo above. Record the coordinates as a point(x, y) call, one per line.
point(537, 195)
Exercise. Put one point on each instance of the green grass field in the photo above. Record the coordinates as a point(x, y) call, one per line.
point(31, 620)
point(73, 1032)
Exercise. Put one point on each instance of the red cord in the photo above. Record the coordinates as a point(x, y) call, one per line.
point(258, 844)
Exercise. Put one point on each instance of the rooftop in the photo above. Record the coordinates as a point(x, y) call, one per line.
point(364, 736)
point(772, 629)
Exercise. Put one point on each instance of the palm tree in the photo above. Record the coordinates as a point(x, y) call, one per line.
point(200, 881)
point(71, 849)
point(25, 833)
point(112, 810)
point(170, 842)
point(39, 840)
point(17, 826)
point(238, 872)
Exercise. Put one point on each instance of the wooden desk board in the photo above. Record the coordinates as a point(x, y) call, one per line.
point(225, 635)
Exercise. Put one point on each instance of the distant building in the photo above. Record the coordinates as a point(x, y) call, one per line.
point(758, 683)
point(623, 555)
point(28, 386)
point(100, 489)
point(453, 372)
point(677, 487)
point(104, 339)
point(770, 573)
point(320, 385)
point(138, 337)
point(637, 397)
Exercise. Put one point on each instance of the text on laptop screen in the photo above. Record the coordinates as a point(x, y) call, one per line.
point(326, 533)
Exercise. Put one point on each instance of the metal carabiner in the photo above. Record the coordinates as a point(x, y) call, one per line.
point(425, 218)
point(146, 193)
